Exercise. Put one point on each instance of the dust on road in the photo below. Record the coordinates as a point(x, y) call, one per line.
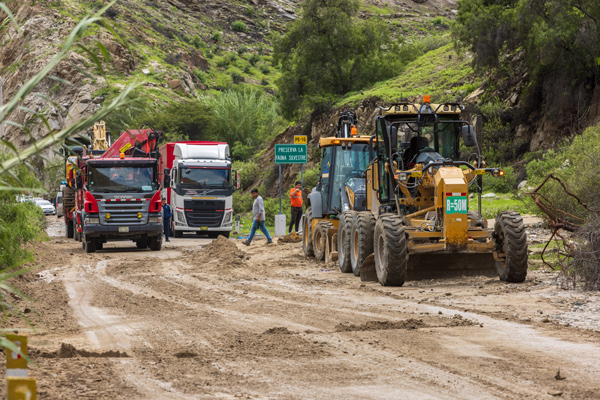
point(206, 319)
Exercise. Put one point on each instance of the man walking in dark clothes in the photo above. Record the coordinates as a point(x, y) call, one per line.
point(167, 214)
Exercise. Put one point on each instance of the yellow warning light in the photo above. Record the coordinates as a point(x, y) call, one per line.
point(122, 156)
point(336, 141)
point(139, 215)
point(107, 216)
point(427, 99)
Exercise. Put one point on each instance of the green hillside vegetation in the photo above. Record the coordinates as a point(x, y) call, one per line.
point(441, 73)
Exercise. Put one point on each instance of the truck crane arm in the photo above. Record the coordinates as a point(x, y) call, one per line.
point(136, 143)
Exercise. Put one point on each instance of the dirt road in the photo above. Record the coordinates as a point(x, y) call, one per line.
point(217, 320)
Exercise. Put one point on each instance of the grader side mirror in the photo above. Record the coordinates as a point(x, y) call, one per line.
point(469, 137)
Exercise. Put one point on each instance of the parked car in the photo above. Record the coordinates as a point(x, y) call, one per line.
point(46, 206)
point(59, 204)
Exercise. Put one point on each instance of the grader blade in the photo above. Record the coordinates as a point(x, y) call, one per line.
point(434, 266)
point(367, 270)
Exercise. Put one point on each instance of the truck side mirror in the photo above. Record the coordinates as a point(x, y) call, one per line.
point(468, 134)
point(236, 177)
point(167, 179)
point(78, 182)
point(173, 180)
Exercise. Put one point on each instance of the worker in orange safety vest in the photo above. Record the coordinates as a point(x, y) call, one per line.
point(296, 200)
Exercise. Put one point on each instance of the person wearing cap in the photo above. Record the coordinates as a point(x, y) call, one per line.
point(258, 218)
point(296, 201)
point(167, 214)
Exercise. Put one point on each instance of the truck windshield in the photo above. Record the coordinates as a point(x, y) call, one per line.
point(203, 177)
point(122, 179)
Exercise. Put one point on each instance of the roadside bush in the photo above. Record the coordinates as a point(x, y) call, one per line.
point(310, 177)
point(239, 26)
point(20, 223)
point(272, 207)
point(254, 58)
point(242, 202)
point(249, 171)
point(576, 164)
point(506, 184)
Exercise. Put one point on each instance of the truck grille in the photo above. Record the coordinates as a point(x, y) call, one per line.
point(123, 213)
point(207, 213)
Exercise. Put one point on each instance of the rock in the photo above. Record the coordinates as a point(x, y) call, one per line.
point(175, 84)
point(197, 60)
point(85, 99)
point(145, 71)
point(98, 99)
point(522, 185)
point(489, 196)
point(555, 392)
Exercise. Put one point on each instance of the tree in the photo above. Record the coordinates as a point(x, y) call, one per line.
point(328, 52)
point(559, 39)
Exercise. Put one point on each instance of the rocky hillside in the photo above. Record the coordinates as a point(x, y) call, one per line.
point(178, 48)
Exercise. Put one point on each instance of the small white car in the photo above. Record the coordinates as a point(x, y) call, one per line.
point(46, 206)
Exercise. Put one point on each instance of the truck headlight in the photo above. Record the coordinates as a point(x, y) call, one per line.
point(92, 220)
point(227, 217)
point(180, 216)
point(154, 220)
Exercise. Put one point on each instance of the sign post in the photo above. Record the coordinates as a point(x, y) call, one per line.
point(289, 154)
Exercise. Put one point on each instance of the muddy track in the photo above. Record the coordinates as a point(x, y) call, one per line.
point(202, 320)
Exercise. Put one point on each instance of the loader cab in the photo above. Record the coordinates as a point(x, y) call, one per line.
point(343, 162)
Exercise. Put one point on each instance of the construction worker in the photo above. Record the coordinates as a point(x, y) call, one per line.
point(258, 218)
point(296, 201)
point(167, 214)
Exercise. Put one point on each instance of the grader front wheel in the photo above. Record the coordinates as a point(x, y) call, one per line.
point(511, 247)
point(361, 241)
point(391, 252)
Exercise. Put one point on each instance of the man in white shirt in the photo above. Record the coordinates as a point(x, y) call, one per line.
point(258, 218)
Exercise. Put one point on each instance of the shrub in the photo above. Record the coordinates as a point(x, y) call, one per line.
point(310, 177)
point(201, 75)
point(264, 69)
point(249, 171)
point(216, 37)
point(254, 58)
point(264, 82)
point(506, 184)
point(238, 26)
point(222, 62)
point(241, 50)
point(272, 207)
point(242, 202)
point(197, 42)
point(237, 77)
point(20, 223)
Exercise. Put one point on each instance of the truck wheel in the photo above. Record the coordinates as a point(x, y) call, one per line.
point(391, 251)
point(307, 244)
point(89, 245)
point(320, 239)
point(69, 229)
point(177, 234)
point(155, 243)
point(511, 246)
point(343, 245)
point(361, 239)
point(141, 243)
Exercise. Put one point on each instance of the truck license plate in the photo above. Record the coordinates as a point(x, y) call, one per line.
point(124, 229)
point(204, 228)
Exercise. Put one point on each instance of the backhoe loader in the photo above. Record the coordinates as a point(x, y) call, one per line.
point(417, 222)
point(341, 190)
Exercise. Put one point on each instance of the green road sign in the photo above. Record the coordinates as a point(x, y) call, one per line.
point(290, 154)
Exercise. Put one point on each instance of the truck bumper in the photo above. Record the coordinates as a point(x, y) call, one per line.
point(112, 232)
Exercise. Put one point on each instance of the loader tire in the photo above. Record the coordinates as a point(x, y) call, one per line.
point(361, 241)
point(320, 239)
point(391, 251)
point(307, 244)
point(343, 238)
point(511, 246)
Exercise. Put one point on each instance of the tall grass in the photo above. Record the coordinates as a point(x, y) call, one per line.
point(19, 223)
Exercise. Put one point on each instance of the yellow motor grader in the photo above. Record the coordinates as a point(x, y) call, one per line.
point(417, 221)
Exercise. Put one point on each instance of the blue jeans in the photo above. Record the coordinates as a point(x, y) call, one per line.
point(259, 225)
point(167, 222)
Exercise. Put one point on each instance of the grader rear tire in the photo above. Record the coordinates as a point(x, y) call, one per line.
point(320, 239)
point(391, 251)
point(511, 246)
point(343, 245)
point(307, 244)
point(361, 241)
